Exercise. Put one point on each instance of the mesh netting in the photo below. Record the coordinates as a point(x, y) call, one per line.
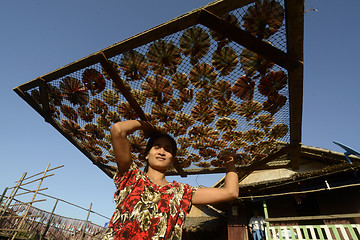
point(213, 95)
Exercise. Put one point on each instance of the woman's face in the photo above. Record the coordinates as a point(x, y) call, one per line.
point(161, 154)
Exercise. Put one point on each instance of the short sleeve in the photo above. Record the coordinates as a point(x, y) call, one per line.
point(187, 198)
point(129, 178)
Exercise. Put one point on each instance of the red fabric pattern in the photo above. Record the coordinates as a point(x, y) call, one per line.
point(147, 211)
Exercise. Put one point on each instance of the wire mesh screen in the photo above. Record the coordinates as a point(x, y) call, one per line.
point(213, 95)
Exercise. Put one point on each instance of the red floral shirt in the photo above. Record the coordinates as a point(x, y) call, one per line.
point(145, 210)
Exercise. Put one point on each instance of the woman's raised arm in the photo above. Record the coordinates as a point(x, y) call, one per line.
point(229, 192)
point(121, 145)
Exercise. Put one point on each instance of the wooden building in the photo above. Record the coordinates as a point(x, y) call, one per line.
point(321, 200)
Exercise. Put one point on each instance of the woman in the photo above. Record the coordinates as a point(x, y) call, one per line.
point(147, 206)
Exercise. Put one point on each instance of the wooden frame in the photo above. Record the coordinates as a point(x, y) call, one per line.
point(208, 16)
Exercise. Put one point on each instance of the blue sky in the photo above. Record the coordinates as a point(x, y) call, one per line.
point(38, 37)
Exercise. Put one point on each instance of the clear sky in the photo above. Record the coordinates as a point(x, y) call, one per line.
point(40, 36)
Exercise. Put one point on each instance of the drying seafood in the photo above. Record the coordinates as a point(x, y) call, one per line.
point(162, 113)
point(174, 128)
point(113, 116)
point(205, 133)
point(203, 114)
point(226, 124)
point(163, 57)
point(98, 106)
point(194, 158)
point(85, 113)
point(184, 119)
point(252, 62)
point(194, 42)
point(110, 97)
point(139, 96)
point(136, 143)
point(203, 98)
point(225, 60)
point(207, 153)
point(244, 88)
point(203, 75)
point(69, 112)
point(73, 91)
point(73, 129)
point(54, 95)
point(184, 142)
point(103, 123)
point(93, 80)
point(278, 131)
point(249, 109)
point(225, 108)
point(221, 90)
point(274, 103)
point(272, 83)
point(253, 135)
point(264, 120)
point(94, 131)
point(264, 18)
point(126, 111)
point(231, 136)
point(157, 88)
point(180, 81)
point(203, 164)
point(134, 65)
point(186, 94)
point(176, 104)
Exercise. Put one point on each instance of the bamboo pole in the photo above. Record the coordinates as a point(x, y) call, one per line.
point(42, 189)
point(37, 174)
point(2, 196)
point(84, 228)
point(12, 194)
point(28, 208)
point(49, 222)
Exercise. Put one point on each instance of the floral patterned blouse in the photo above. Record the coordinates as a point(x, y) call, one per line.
point(145, 210)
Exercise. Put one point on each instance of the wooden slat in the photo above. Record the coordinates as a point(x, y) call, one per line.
point(327, 231)
point(295, 35)
point(247, 40)
point(318, 229)
point(298, 232)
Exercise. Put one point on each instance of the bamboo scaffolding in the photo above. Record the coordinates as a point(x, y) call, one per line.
point(30, 191)
point(27, 210)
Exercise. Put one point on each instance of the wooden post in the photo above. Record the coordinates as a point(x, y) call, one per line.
point(84, 228)
point(237, 222)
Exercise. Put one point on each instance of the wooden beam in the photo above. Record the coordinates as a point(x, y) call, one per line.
point(247, 40)
point(295, 44)
point(44, 96)
point(111, 71)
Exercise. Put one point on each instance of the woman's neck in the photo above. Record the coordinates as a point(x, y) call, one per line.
point(157, 177)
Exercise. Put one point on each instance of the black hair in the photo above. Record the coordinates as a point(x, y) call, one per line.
point(155, 136)
point(151, 142)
